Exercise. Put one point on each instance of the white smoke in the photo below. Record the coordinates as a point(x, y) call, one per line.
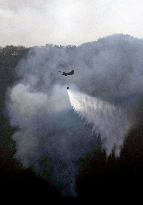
point(51, 138)
point(109, 75)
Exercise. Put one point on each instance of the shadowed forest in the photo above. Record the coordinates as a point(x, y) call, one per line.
point(100, 178)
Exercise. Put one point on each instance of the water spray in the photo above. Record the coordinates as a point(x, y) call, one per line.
point(107, 119)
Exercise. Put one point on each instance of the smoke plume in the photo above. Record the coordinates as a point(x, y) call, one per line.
point(105, 92)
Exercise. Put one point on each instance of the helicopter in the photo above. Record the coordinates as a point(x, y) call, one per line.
point(67, 73)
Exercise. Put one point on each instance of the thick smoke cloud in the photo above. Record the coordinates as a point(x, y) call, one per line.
point(106, 93)
point(51, 138)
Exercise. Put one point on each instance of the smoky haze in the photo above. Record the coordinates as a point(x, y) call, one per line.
point(105, 92)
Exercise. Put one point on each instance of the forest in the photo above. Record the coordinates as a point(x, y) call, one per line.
point(99, 177)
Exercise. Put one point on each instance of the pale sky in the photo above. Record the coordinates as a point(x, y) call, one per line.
point(38, 22)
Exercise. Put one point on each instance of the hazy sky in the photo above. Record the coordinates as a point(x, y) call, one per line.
point(37, 22)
